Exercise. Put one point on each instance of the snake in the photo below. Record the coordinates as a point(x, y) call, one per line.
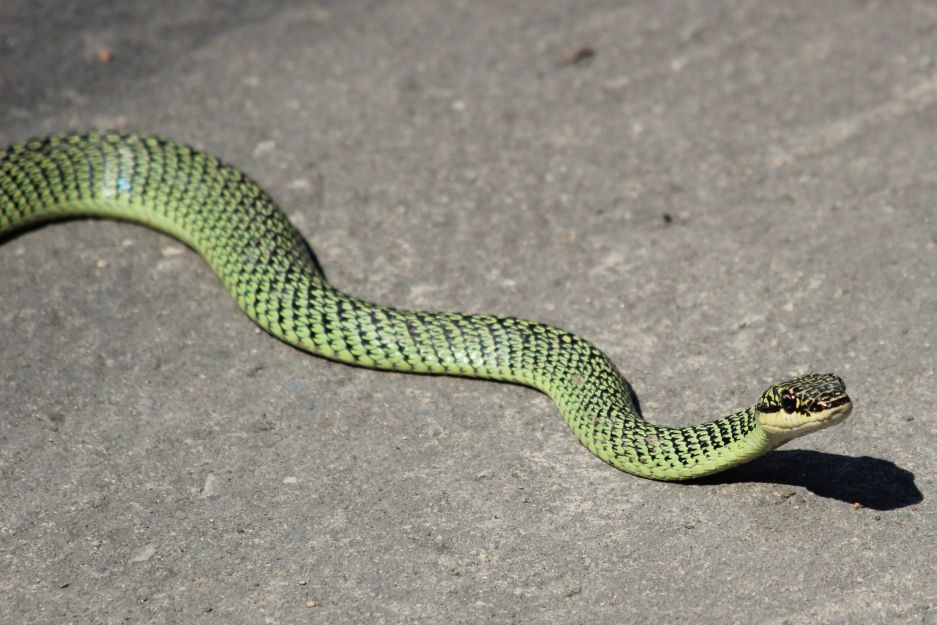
point(272, 273)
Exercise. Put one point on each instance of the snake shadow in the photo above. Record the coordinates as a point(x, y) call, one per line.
point(871, 482)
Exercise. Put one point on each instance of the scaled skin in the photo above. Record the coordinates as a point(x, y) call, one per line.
point(265, 265)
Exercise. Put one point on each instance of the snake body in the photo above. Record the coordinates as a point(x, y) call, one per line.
point(267, 267)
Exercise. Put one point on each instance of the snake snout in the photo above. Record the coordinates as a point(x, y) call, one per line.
point(802, 405)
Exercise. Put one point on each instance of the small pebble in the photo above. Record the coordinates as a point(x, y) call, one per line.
point(311, 604)
point(264, 147)
point(144, 554)
point(210, 485)
point(578, 55)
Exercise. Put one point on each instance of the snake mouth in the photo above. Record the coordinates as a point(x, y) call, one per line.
point(783, 426)
point(837, 412)
point(835, 403)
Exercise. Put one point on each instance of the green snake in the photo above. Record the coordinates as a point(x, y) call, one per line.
point(268, 268)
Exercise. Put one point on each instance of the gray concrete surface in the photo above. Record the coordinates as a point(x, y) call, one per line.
point(724, 194)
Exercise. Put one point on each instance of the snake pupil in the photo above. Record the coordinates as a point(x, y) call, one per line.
point(788, 402)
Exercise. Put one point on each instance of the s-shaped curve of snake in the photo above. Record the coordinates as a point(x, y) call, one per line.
point(267, 267)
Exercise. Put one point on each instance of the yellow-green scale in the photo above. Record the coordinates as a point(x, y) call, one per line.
point(264, 263)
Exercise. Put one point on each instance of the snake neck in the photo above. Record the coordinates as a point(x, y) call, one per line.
point(631, 444)
point(602, 411)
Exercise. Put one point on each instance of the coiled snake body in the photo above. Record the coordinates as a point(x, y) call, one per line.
point(265, 264)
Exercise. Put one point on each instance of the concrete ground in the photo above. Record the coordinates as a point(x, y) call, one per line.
point(719, 194)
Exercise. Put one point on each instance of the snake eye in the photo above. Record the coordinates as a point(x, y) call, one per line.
point(788, 402)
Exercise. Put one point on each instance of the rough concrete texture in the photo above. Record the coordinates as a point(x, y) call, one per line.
point(719, 194)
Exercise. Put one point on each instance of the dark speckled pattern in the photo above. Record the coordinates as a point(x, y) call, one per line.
point(265, 264)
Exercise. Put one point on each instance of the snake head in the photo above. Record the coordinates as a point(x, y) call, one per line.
point(802, 405)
